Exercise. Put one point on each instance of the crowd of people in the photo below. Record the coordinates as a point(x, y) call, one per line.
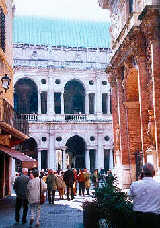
point(144, 193)
point(29, 185)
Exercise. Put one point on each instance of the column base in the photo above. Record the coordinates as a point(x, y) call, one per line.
point(126, 175)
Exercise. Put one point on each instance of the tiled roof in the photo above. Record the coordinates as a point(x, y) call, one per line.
point(60, 32)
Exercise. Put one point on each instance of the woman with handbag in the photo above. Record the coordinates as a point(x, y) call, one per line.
point(35, 187)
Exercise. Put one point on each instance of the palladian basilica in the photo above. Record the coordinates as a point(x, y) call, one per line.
point(61, 88)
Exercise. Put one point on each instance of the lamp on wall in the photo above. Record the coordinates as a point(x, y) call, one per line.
point(5, 82)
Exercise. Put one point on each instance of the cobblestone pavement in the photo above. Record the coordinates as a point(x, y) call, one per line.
point(63, 214)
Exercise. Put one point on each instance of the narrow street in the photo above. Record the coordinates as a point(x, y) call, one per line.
point(63, 214)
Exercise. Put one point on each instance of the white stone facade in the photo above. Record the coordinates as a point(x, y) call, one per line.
point(66, 64)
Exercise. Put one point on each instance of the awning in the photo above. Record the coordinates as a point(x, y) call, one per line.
point(16, 154)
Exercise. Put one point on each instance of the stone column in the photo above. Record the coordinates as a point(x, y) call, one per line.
point(39, 159)
point(143, 99)
point(110, 159)
point(64, 158)
point(100, 151)
point(98, 98)
point(50, 97)
point(87, 103)
point(87, 159)
point(122, 113)
point(39, 102)
point(51, 151)
point(155, 57)
point(62, 103)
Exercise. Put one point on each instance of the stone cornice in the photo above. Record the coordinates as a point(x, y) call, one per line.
point(134, 44)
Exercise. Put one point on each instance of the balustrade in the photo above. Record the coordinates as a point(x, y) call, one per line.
point(67, 117)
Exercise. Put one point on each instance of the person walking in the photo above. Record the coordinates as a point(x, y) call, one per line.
point(51, 182)
point(61, 185)
point(69, 180)
point(87, 180)
point(75, 182)
point(33, 188)
point(146, 199)
point(20, 187)
point(81, 181)
point(95, 178)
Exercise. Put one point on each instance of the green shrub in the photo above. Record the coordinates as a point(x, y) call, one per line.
point(112, 204)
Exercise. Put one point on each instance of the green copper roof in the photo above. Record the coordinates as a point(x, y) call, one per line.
point(60, 32)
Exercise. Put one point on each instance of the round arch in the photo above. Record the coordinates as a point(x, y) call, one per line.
point(25, 96)
point(74, 97)
point(29, 147)
point(76, 147)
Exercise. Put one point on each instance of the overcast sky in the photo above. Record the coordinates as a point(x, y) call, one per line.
point(70, 9)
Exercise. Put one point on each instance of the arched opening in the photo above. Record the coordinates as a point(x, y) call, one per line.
point(76, 147)
point(74, 97)
point(25, 96)
point(29, 147)
point(133, 111)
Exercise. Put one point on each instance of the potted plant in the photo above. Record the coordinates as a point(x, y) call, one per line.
point(110, 203)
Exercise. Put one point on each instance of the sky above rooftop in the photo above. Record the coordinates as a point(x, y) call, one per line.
point(68, 9)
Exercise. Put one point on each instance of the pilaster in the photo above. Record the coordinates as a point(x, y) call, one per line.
point(51, 151)
point(87, 159)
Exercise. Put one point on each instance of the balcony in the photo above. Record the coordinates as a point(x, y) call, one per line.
point(11, 122)
point(67, 117)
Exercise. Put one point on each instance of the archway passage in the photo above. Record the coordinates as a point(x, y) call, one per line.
point(26, 96)
point(76, 147)
point(29, 147)
point(74, 97)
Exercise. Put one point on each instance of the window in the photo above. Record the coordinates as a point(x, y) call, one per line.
point(43, 81)
point(91, 103)
point(2, 29)
point(104, 103)
point(57, 81)
point(92, 138)
point(44, 102)
point(104, 82)
point(106, 138)
point(59, 138)
point(91, 82)
point(44, 139)
point(57, 103)
point(131, 6)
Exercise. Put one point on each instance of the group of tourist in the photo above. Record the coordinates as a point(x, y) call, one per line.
point(29, 185)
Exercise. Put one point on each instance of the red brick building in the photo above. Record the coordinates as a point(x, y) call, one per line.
point(13, 130)
point(134, 76)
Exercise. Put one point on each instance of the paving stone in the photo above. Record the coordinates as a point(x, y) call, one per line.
point(63, 214)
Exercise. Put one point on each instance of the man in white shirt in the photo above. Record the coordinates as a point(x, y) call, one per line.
point(146, 199)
